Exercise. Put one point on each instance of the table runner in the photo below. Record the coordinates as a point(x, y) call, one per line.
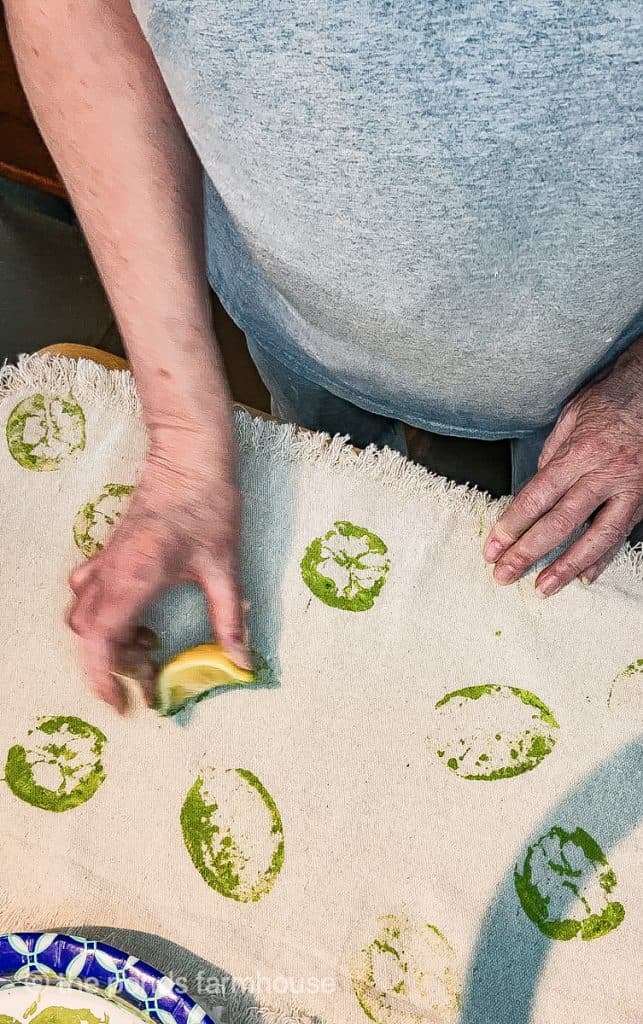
point(431, 809)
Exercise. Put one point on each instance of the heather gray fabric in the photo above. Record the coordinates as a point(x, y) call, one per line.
point(433, 210)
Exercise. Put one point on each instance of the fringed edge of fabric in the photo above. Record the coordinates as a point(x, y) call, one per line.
point(408, 479)
point(91, 382)
point(59, 375)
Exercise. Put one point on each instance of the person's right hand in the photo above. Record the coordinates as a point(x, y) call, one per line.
point(182, 524)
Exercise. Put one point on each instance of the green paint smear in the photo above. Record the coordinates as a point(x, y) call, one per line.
point(93, 515)
point(354, 597)
point(527, 752)
point(634, 669)
point(214, 850)
point(19, 774)
point(31, 1009)
point(383, 1006)
point(63, 1015)
point(536, 903)
point(48, 413)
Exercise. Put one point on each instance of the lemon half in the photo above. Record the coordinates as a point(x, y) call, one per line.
point(193, 673)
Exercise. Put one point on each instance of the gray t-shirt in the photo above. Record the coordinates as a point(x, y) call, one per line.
point(433, 208)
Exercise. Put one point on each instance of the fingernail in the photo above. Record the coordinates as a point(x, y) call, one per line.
point(492, 550)
point(547, 587)
point(505, 574)
point(586, 580)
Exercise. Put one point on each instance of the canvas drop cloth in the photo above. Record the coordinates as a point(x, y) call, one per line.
point(431, 810)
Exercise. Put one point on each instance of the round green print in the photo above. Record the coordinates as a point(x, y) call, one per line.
point(565, 884)
point(97, 518)
point(490, 732)
point(42, 432)
point(65, 1015)
point(627, 689)
point(60, 766)
point(346, 568)
point(233, 832)
point(408, 974)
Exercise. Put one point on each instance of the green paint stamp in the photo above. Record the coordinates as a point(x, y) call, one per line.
point(565, 884)
point(489, 732)
point(60, 766)
point(407, 974)
point(97, 518)
point(66, 1015)
point(626, 690)
point(43, 432)
point(233, 832)
point(347, 567)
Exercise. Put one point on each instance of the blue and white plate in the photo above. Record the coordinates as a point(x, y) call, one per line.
point(91, 983)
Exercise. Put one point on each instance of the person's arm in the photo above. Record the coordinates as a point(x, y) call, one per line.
point(135, 182)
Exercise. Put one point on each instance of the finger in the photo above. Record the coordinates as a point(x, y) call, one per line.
point(562, 432)
point(228, 614)
point(109, 601)
point(573, 509)
point(608, 531)
point(79, 576)
point(537, 497)
point(141, 677)
point(98, 657)
point(592, 572)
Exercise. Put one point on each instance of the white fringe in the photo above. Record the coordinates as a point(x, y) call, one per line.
point(58, 375)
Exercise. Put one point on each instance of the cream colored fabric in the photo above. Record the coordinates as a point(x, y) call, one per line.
point(401, 879)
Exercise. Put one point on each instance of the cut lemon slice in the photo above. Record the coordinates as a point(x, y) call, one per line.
point(193, 673)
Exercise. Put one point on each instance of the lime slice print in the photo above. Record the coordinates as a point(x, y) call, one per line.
point(61, 766)
point(408, 974)
point(346, 568)
point(65, 1015)
point(43, 432)
point(485, 733)
point(565, 884)
point(626, 691)
point(233, 832)
point(97, 518)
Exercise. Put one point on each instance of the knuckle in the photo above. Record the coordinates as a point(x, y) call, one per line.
point(563, 522)
point(76, 620)
point(583, 449)
point(570, 567)
point(530, 504)
point(596, 487)
point(76, 580)
point(613, 533)
point(518, 560)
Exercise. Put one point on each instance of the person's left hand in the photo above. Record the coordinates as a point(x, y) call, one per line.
point(592, 462)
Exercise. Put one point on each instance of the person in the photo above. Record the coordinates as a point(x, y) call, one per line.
point(427, 213)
